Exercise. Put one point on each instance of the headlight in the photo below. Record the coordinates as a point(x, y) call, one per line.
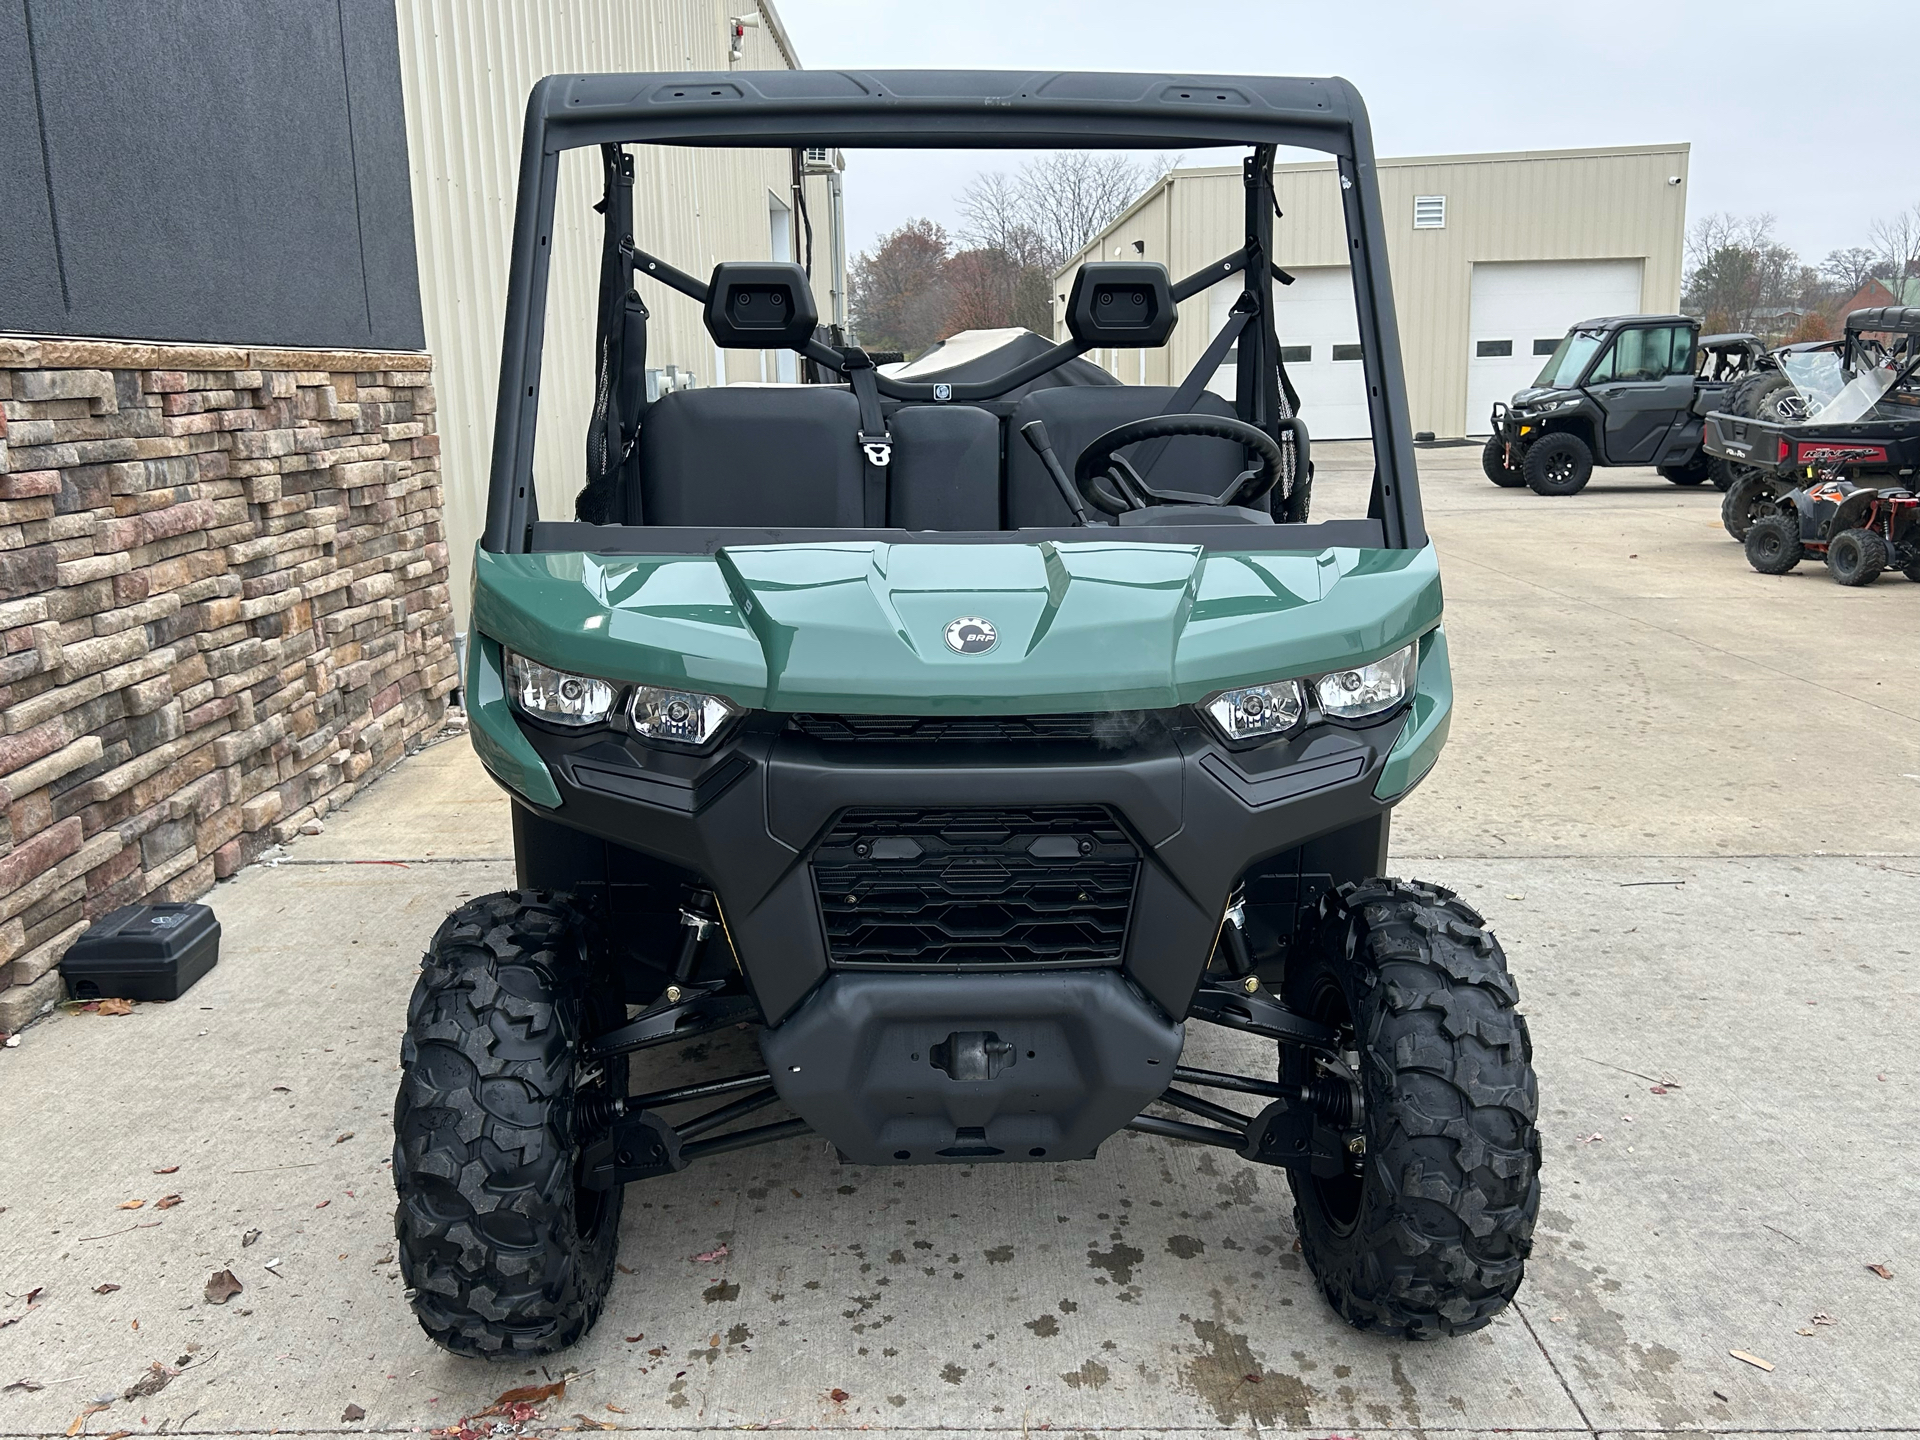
point(1256, 711)
point(1367, 689)
point(678, 717)
point(557, 696)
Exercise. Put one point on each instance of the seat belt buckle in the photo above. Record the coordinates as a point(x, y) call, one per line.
point(878, 449)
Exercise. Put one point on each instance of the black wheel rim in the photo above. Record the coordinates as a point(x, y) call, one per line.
point(1340, 1197)
point(1560, 469)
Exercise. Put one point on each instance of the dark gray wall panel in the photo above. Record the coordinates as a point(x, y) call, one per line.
point(29, 273)
point(225, 171)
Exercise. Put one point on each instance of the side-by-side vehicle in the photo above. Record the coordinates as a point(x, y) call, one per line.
point(971, 740)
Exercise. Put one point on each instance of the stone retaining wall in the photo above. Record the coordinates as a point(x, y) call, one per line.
point(223, 598)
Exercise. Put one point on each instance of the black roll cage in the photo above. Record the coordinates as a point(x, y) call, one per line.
point(952, 109)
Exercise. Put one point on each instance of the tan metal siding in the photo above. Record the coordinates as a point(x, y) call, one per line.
point(466, 70)
point(1601, 204)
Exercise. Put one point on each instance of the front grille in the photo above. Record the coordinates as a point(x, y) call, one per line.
point(1046, 885)
point(1112, 729)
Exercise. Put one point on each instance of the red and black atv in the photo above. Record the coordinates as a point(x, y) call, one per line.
point(1858, 529)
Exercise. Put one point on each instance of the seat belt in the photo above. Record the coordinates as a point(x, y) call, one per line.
point(1182, 401)
point(620, 359)
point(874, 439)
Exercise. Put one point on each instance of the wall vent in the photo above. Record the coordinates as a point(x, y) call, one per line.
point(1429, 212)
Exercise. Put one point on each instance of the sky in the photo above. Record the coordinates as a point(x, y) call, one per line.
point(1768, 93)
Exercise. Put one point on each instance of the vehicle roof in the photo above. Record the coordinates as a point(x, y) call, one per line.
point(1892, 319)
point(1734, 337)
point(949, 108)
point(1604, 322)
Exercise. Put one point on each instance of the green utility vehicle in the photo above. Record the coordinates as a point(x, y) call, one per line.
point(970, 741)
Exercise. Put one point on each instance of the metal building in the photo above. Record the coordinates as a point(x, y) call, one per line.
point(465, 73)
point(1493, 256)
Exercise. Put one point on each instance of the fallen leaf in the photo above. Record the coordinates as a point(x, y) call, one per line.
point(1882, 1271)
point(11, 1320)
point(1753, 1360)
point(1251, 1379)
point(167, 1170)
point(80, 1420)
point(533, 1394)
point(593, 1424)
point(106, 1289)
point(282, 1090)
point(248, 1238)
point(615, 1408)
point(1805, 1330)
point(116, 1007)
point(157, 1378)
point(1589, 1139)
point(222, 1286)
point(636, 1339)
point(707, 1257)
point(33, 1295)
point(323, 1204)
point(129, 1204)
point(341, 1139)
point(1516, 897)
point(623, 1269)
point(166, 1202)
point(353, 1412)
point(838, 1396)
point(1659, 1089)
point(29, 1386)
point(1821, 1317)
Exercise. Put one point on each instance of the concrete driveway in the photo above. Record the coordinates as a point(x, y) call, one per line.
point(1683, 793)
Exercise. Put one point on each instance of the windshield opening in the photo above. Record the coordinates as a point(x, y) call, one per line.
point(956, 283)
point(1569, 358)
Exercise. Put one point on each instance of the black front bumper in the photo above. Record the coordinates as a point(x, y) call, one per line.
point(766, 818)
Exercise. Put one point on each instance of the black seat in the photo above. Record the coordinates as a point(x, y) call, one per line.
point(1076, 417)
point(946, 469)
point(752, 455)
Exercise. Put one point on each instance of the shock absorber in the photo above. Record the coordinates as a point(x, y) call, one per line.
point(1233, 938)
point(697, 922)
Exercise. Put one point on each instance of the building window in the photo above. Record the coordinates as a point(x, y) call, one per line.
point(1492, 349)
point(1429, 212)
point(1546, 347)
point(1296, 354)
point(1346, 352)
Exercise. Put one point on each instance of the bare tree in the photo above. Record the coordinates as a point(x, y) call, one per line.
point(1896, 244)
point(1847, 270)
point(1740, 278)
point(1070, 196)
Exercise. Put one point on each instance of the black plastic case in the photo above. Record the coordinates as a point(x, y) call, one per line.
point(143, 952)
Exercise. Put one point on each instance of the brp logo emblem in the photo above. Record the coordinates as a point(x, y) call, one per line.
point(970, 635)
point(943, 392)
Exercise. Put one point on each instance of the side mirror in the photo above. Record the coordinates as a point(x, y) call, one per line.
point(760, 305)
point(1128, 304)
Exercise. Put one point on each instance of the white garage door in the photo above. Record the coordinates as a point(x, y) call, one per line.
point(1519, 311)
point(1320, 340)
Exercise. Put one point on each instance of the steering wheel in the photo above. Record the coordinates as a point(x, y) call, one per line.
point(1099, 467)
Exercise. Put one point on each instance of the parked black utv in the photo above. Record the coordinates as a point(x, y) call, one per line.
point(1620, 390)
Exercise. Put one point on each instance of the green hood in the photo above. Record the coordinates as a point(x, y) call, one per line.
point(860, 626)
